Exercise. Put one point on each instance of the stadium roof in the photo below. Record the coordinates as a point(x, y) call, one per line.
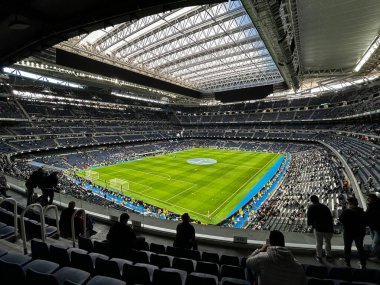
point(208, 48)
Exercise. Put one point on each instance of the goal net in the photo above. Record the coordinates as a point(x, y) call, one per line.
point(119, 184)
point(91, 175)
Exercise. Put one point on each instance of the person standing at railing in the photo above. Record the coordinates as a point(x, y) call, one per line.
point(35, 180)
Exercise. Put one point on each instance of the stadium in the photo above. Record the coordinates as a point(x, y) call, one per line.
point(235, 112)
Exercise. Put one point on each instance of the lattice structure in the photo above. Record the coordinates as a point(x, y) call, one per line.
point(209, 48)
point(119, 184)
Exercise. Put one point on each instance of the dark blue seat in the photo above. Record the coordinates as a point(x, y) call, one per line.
point(340, 273)
point(234, 281)
point(157, 248)
point(60, 255)
point(184, 264)
point(207, 267)
point(102, 280)
point(366, 275)
point(85, 243)
point(40, 249)
point(316, 271)
point(196, 278)
point(169, 276)
point(161, 260)
point(210, 257)
point(107, 268)
point(232, 271)
point(229, 260)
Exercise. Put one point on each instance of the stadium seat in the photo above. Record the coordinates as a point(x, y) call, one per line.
point(16, 258)
point(142, 245)
point(207, 267)
point(60, 255)
point(340, 273)
point(169, 276)
point(138, 256)
point(104, 280)
point(107, 268)
point(185, 264)
point(85, 243)
point(40, 249)
point(229, 260)
point(317, 281)
point(174, 251)
point(191, 254)
point(120, 262)
point(157, 248)
point(367, 275)
point(3, 252)
point(82, 261)
point(234, 281)
point(196, 278)
point(232, 271)
point(73, 275)
point(102, 247)
point(138, 273)
point(210, 257)
point(161, 260)
point(316, 271)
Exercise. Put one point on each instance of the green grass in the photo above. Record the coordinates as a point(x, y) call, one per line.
point(208, 192)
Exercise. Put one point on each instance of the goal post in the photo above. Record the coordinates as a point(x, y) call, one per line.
point(119, 184)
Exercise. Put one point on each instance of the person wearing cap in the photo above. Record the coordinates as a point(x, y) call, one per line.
point(185, 237)
point(320, 219)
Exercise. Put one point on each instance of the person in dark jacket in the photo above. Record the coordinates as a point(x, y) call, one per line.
point(373, 221)
point(65, 219)
point(354, 223)
point(48, 186)
point(35, 180)
point(121, 237)
point(320, 219)
point(3, 186)
point(185, 237)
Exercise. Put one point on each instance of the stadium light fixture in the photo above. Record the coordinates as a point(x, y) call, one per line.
point(369, 52)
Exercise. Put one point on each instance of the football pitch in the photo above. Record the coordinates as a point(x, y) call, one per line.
point(208, 192)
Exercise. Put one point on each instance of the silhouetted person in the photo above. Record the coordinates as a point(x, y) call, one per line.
point(3, 186)
point(122, 237)
point(354, 224)
point(373, 221)
point(274, 264)
point(320, 218)
point(185, 237)
point(48, 186)
point(34, 180)
point(65, 219)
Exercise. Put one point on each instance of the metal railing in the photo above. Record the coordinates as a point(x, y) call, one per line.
point(22, 221)
point(80, 210)
point(55, 208)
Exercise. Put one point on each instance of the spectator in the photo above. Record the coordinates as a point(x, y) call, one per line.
point(121, 237)
point(320, 218)
point(185, 237)
point(373, 220)
point(49, 184)
point(34, 180)
point(3, 186)
point(354, 224)
point(65, 220)
point(274, 264)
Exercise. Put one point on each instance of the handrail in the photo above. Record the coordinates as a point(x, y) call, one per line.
point(80, 210)
point(14, 202)
point(55, 208)
point(42, 220)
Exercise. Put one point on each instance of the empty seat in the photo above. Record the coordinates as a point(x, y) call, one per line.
point(207, 267)
point(232, 271)
point(191, 254)
point(138, 273)
point(174, 251)
point(85, 243)
point(102, 247)
point(170, 276)
point(60, 255)
point(184, 264)
point(234, 281)
point(141, 244)
point(229, 260)
point(3, 252)
point(40, 249)
point(120, 262)
point(316, 271)
point(366, 275)
point(102, 280)
point(73, 275)
point(16, 258)
point(139, 256)
point(340, 273)
point(107, 268)
point(161, 260)
point(210, 257)
point(317, 281)
point(82, 261)
point(157, 248)
point(196, 278)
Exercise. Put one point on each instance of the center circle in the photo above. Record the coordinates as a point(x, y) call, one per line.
point(202, 161)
